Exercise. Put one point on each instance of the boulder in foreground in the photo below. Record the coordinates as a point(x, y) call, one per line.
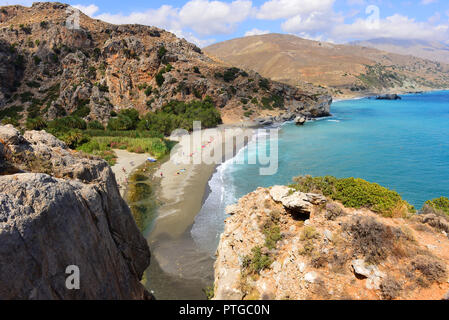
point(57, 209)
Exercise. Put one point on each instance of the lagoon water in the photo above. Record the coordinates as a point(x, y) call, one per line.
point(402, 145)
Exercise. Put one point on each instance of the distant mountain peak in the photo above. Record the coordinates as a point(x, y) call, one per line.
point(426, 49)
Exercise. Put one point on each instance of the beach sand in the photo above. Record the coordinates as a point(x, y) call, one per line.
point(126, 163)
point(178, 269)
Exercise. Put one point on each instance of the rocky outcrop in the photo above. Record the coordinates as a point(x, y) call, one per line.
point(105, 67)
point(388, 97)
point(280, 243)
point(59, 209)
point(300, 121)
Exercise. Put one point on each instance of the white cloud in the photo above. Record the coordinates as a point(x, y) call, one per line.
point(202, 16)
point(426, 2)
point(189, 36)
point(313, 23)
point(306, 18)
point(395, 26)
point(256, 32)
point(212, 17)
point(283, 9)
point(26, 3)
point(165, 17)
point(89, 10)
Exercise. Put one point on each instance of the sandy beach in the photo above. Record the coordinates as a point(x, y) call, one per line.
point(126, 163)
point(177, 263)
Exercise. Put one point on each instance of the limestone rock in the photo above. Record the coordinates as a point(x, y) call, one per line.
point(48, 223)
point(295, 201)
point(371, 272)
point(311, 277)
point(279, 192)
point(300, 121)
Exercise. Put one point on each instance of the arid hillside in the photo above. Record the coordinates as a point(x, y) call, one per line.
point(431, 50)
point(343, 69)
point(49, 69)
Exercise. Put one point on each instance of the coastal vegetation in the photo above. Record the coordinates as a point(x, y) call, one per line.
point(356, 193)
point(180, 115)
point(140, 197)
point(126, 130)
point(440, 205)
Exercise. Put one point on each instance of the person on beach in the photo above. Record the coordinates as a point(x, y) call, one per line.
point(162, 175)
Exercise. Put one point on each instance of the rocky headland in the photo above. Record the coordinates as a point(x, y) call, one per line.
point(295, 243)
point(60, 208)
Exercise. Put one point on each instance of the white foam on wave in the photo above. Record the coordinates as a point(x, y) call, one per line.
point(209, 223)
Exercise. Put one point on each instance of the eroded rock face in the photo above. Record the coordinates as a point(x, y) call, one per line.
point(267, 251)
point(119, 67)
point(72, 216)
point(296, 201)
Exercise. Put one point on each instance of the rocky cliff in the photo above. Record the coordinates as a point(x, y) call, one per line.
point(280, 243)
point(59, 208)
point(54, 68)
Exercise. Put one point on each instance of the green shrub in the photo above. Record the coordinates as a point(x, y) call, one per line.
point(121, 122)
point(37, 60)
point(148, 91)
point(36, 124)
point(257, 261)
point(264, 84)
point(11, 112)
point(70, 122)
point(309, 233)
point(74, 138)
point(132, 114)
point(82, 109)
point(26, 96)
point(154, 146)
point(231, 74)
point(272, 234)
point(179, 114)
point(161, 52)
point(9, 120)
point(160, 78)
point(33, 84)
point(439, 204)
point(95, 125)
point(209, 292)
point(356, 193)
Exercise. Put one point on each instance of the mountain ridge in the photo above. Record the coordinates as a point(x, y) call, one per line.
point(431, 50)
point(344, 70)
point(107, 68)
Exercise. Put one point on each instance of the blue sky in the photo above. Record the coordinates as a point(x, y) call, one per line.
point(204, 22)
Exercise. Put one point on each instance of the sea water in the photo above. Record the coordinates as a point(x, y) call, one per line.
point(402, 145)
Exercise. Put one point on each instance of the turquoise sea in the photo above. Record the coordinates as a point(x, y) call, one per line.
point(402, 145)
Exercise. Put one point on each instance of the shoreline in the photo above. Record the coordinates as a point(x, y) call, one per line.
point(127, 162)
point(179, 266)
point(399, 92)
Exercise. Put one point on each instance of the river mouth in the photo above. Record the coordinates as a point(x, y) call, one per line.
point(178, 270)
